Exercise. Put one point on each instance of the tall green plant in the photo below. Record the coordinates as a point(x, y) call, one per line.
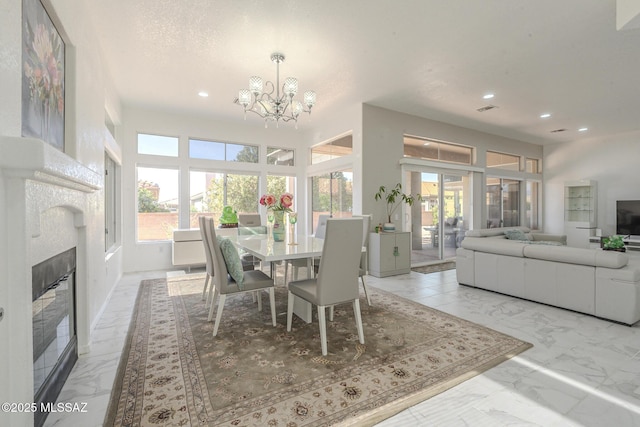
point(395, 197)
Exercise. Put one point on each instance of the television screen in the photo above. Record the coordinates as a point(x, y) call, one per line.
point(628, 217)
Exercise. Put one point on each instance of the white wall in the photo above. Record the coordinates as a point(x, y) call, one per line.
point(383, 132)
point(613, 163)
point(86, 84)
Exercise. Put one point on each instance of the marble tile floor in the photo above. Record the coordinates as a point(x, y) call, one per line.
point(582, 371)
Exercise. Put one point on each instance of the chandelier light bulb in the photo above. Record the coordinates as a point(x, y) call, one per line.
point(290, 86)
point(255, 85)
point(310, 98)
point(244, 97)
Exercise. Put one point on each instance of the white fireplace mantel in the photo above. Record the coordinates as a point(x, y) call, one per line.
point(35, 160)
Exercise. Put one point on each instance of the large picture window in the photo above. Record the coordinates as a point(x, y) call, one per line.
point(209, 192)
point(332, 194)
point(157, 203)
point(503, 202)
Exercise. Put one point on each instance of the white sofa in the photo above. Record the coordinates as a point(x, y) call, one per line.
point(592, 281)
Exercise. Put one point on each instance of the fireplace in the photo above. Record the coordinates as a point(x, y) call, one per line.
point(55, 344)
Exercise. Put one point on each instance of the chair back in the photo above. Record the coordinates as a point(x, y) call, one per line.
point(339, 265)
point(366, 229)
point(249, 220)
point(207, 249)
point(221, 279)
point(321, 228)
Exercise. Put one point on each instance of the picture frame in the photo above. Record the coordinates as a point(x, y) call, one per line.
point(43, 76)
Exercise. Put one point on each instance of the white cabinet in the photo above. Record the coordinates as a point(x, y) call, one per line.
point(389, 253)
point(580, 202)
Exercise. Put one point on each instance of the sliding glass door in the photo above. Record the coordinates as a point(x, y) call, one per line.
point(439, 222)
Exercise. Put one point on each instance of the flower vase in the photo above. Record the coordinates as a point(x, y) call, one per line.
point(278, 226)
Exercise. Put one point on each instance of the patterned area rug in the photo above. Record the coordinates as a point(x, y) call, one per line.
point(173, 372)
point(434, 268)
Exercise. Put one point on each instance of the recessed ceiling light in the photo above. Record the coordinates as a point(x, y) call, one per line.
point(583, 129)
point(203, 94)
point(545, 115)
point(488, 96)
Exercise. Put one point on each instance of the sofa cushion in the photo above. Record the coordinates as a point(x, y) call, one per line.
point(493, 232)
point(611, 259)
point(593, 257)
point(517, 234)
point(494, 246)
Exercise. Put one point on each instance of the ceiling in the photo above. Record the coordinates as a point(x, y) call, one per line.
point(429, 58)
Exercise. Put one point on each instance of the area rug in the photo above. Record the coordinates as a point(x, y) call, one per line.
point(174, 372)
point(434, 268)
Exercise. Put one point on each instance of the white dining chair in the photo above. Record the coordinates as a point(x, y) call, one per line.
point(296, 264)
point(207, 291)
point(337, 280)
point(225, 284)
point(366, 229)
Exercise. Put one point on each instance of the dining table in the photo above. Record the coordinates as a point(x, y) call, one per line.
point(266, 249)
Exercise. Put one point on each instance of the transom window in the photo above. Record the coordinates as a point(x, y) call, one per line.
point(226, 151)
point(533, 165)
point(332, 150)
point(431, 149)
point(157, 145)
point(503, 161)
point(280, 156)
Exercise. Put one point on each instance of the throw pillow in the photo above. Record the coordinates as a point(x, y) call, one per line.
point(232, 260)
point(515, 235)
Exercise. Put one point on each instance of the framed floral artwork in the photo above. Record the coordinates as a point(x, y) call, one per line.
point(43, 55)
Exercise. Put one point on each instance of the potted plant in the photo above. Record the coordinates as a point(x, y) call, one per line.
point(613, 243)
point(394, 198)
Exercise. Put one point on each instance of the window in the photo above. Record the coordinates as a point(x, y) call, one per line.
point(332, 150)
point(110, 205)
point(332, 194)
point(533, 204)
point(211, 150)
point(533, 166)
point(157, 203)
point(277, 185)
point(280, 156)
point(431, 149)
point(503, 161)
point(503, 202)
point(209, 192)
point(157, 145)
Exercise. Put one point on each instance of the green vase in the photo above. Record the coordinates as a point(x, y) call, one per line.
point(278, 226)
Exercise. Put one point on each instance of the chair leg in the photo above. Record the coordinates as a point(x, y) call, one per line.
point(286, 271)
point(323, 329)
point(289, 311)
point(259, 296)
point(272, 301)
point(206, 284)
point(331, 314)
point(216, 325)
point(213, 303)
point(366, 293)
point(210, 295)
point(356, 313)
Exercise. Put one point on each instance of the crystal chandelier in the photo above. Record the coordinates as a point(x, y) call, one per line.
point(279, 107)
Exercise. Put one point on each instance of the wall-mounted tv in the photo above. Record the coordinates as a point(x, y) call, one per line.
point(628, 217)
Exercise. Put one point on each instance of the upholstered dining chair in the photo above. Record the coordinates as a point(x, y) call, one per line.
point(207, 291)
point(301, 262)
point(337, 280)
point(366, 229)
point(235, 280)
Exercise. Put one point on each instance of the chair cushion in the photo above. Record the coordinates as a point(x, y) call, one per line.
point(232, 260)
